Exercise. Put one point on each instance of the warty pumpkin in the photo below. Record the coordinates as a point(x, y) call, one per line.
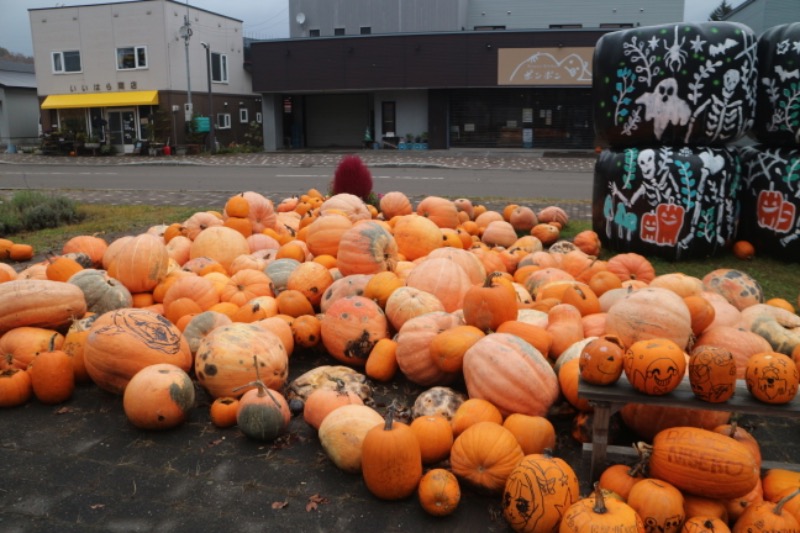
point(350, 328)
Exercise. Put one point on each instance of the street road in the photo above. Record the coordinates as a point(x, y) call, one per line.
point(286, 180)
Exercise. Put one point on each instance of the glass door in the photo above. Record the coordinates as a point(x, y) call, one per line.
point(122, 129)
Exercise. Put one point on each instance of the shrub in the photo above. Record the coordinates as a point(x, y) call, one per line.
point(32, 210)
point(352, 176)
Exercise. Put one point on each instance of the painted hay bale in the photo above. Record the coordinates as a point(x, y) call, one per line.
point(778, 98)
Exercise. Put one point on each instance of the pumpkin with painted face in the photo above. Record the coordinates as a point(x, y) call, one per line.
point(655, 366)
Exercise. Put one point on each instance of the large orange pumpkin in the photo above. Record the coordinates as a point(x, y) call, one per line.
point(414, 343)
point(650, 313)
point(484, 455)
point(350, 328)
point(366, 248)
point(511, 374)
point(703, 462)
point(224, 359)
point(123, 341)
point(442, 278)
point(42, 303)
point(141, 263)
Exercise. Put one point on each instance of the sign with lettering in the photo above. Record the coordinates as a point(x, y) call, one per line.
point(545, 66)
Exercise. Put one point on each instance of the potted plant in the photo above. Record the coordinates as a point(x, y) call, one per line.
point(92, 142)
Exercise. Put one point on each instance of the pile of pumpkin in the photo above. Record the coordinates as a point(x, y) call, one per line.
point(14, 251)
point(445, 293)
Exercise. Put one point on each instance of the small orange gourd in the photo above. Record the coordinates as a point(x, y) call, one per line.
point(223, 411)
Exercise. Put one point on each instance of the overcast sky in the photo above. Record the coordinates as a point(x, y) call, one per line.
point(263, 19)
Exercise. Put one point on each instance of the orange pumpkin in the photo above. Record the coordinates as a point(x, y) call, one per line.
point(15, 387)
point(650, 313)
point(471, 412)
point(366, 248)
point(223, 411)
point(350, 328)
point(484, 455)
point(712, 374)
point(655, 366)
point(659, 504)
point(52, 375)
point(158, 397)
point(538, 492)
point(631, 266)
point(601, 360)
point(324, 400)
point(391, 461)
point(600, 512)
point(439, 492)
point(535, 434)
point(703, 462)
point(414, 342)
point(123, 341)
point(486, 307)
point(435, 436)
point(448, 347)
point(620, 478)
point(772, 377)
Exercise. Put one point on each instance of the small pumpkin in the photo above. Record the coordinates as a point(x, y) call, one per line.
point(324, 400)
point(712, 374)
point(705, 524)
point(535, 434)
point(381, 364)
point(659, 503)
point(158, 397)
point(435, 436)
point(471, 412)
point(767, 517)
point(15, 387)
point(439, 492)
point(391, 461)
point(487, 306)
point(620, 478)
point(437, 401)
point(342, 433)
point(223, 411)
point(601, 360)
point(600, 513)
point(351, 327)
point(655, 366)
point(263, 414)
point(772, 377)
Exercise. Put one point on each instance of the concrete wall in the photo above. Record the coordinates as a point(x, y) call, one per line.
point(411, 111)
point(19, 116)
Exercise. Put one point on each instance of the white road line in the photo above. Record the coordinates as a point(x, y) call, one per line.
point(301, 176)
point(421, 178)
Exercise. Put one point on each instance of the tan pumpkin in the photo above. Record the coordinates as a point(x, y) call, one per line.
point(395, 203)
point(650, 313)
point(440, 211)
point(40, 303)
point(413, 347)
point(221, 244)
point(741, 343)
point(406, 303)
point(511, 374)
point(140, 263)
point(342, 433)
point(123, 341)
point(322, 401)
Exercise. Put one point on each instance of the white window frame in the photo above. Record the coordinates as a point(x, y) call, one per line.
point(223, 121)
point(136, 50)
point(59, 65)
point(258, 117)
point(244, 115)
point(222, 59)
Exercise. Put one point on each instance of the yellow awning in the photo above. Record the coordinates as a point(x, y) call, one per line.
point(110, 99)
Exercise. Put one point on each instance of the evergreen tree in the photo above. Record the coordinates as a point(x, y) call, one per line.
point(721, 11)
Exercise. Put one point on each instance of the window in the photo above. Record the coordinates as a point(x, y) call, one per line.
point(243, 116)
point(366, 30)
point(219, 67)
point(338, 31)
point(387, 119)
point(258, 117)
point(313, 33)
point(223, 121)
point(131, 57)
point(68, 61)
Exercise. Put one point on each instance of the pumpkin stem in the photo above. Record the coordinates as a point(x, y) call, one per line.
point(734, 426)
point(783, 501)
point(51, 346)
point(599, 500)
point(263, 390)
point(489, 281)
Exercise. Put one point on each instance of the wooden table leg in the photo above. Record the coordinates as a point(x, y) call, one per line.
point(602, 417)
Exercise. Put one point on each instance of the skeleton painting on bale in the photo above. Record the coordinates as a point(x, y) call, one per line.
point(778, 109)
point(771, 200)
point(675, 84)
point(672, 203)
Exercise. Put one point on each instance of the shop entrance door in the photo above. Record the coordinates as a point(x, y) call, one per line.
point(122, 129)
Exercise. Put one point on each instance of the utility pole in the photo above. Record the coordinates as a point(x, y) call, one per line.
point(186, 33)
point(212, 141)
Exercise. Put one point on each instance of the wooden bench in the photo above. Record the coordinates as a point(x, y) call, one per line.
point(607, 400)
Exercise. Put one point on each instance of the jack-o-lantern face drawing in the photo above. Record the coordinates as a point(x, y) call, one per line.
point(649, 230)
point(768, 208)
point(661, 374)
point(771, 377)
point(655, 366)
point(771, 383)
point(670, 223)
